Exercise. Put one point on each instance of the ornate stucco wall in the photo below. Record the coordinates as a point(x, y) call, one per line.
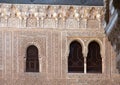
point(51, 29)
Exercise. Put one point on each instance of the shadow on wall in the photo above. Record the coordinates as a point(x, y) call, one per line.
point(118, 65)
point(116, 3)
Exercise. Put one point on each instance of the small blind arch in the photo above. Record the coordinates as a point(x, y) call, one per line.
point(32, 61)
point(75, 58)
point(94, 59)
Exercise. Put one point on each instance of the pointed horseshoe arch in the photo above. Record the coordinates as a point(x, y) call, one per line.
point(75, 58)
point(94, 59)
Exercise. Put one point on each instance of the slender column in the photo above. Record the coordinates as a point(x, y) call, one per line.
point(85, 52)
point(41, 22)
point(85, 65)
point(40, 60)
point(38, 22)
point(24, 64)
point(85, 23)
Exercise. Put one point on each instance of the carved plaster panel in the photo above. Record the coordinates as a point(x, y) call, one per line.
point(40, 43)
point(49, 23)
point(86, 34)
point(13, 22)
point(93, 24)
point(72, 23)
point(31, 21)
point(3, 22)
point(31, 15)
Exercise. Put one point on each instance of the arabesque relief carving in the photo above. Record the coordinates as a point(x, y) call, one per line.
point(23, 14)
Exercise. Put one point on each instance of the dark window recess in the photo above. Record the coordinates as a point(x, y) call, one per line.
point(75, 59)
point(32, 62)
point(94, 60)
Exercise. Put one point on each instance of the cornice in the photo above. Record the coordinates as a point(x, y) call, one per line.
point(22, 12)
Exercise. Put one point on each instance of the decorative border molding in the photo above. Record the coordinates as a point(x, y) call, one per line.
point(26, 15)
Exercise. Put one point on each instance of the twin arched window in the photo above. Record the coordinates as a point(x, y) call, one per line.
point(76, 60)
point(32, 61)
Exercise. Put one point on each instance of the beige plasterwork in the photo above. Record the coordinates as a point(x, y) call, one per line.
point(24, 46)
point(99, 42)
point(102, 50)
point(75, 39)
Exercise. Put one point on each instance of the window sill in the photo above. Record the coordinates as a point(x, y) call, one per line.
point(32, 73)
point(87, 75)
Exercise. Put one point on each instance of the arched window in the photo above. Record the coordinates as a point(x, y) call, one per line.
point(94, 60)
point(32, 62)
point(75, 59)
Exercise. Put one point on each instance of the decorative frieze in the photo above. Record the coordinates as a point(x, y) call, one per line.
point(85, 34)
point(49, 16)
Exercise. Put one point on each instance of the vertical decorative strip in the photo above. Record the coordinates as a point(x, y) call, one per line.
point(8, 54)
